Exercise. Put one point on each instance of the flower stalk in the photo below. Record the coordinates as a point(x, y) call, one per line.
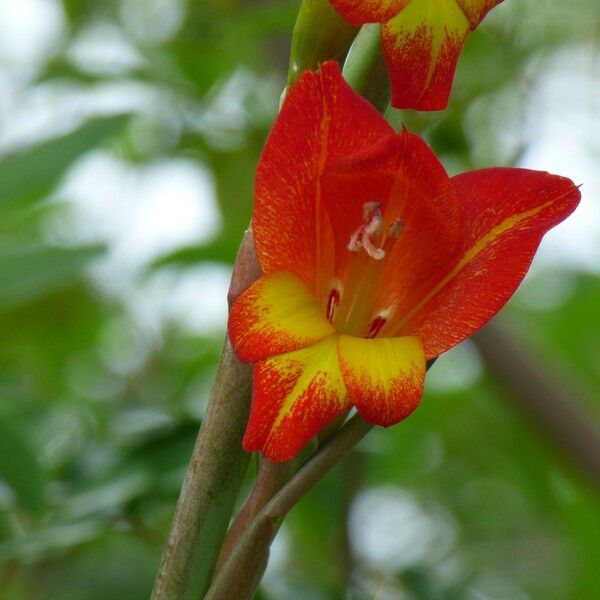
point(216, 469)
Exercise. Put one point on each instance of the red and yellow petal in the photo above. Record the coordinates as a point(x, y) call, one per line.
point(506, 212)
point(422, 40)
point(359, 12)
point(475, 10)
point(321, 120)
point(421, 45)
point(383, 376)
point(276, 314)
point(295, 395)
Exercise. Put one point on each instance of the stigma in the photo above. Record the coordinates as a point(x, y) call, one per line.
point(361, 238)
point(372, 224)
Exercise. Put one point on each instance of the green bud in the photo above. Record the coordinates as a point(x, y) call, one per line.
point(320, 34)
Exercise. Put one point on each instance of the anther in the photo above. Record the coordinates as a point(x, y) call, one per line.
point(376, 326)
point(396, 228)
point(372, 250)
point(379, 320)
point(333, 302)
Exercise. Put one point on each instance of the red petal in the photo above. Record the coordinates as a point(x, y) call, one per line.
point(321, 120)
point(276, 314)
point(384, 377)
point(506, 212)
point(359, 12)
point(295, 395)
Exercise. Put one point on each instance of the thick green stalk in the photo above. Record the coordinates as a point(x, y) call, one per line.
point(216, 468)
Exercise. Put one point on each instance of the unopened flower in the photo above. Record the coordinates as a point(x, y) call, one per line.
point(422, 40)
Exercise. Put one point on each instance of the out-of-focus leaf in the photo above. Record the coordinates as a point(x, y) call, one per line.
point(36, 272)
point(66, 70)
point(32, 173)
point(109, 496)
point(116, 567)
point(20, 468)
point(222, 249)
point(50, 540)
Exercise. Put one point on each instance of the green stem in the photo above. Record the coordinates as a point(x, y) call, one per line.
point(269, 480)
point(216, 469)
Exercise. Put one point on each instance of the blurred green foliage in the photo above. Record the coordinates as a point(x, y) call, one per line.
point(468, 500)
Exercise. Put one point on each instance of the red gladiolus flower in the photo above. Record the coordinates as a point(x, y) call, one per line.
point(422, 40)
point(374, 261)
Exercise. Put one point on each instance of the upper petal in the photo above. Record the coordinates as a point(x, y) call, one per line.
point(295, 395)
point(475, 10)
point(276, 314)
point(321, 120)
point(421, 46)
point(359, 12)
point(422, 40)
point(506, 212)
point(383, 376)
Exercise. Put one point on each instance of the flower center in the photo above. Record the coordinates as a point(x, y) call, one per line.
point(351, 310)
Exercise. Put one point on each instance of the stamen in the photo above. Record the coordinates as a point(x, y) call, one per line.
point(333, 303)
point(354, 245)
point(380, 319)
point(396, 228)
point(376, 325)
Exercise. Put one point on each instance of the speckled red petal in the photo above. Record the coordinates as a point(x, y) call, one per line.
point(295, 395)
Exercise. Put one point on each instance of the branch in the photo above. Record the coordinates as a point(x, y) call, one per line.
point(243, 569)
point(536, 389)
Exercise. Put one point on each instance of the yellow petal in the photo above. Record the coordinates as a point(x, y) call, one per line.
point(276, 314)
point(383, 376)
